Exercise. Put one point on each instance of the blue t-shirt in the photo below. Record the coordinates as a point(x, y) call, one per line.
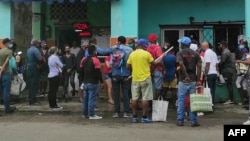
point(33, 56)
point(169, 62)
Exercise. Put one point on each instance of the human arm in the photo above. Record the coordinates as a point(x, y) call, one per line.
point(198, 67)
point(104, 51)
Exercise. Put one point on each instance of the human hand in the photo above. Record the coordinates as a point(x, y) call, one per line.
point(198, 84)
point(102, 85)
point(68, 70)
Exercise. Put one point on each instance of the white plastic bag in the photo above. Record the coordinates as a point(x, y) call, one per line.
point(160, 109)
point(206, 91)
point(17, 85)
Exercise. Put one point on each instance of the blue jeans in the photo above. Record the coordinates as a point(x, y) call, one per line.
point(117, 83)
point(89, 97)
point(183, 90)
point(211, 80)
point(5, 87)
point(34, 78)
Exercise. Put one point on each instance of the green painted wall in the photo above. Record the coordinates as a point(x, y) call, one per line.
point(171, 12)
point(36, 25)
point(98, 15)
point(6, 20)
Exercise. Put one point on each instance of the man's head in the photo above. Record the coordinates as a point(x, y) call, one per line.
point(131, 43)
point(44, 44)
point(93, 41)
point(92, 50)
point(223, 44)
point(67, 49)
point(205, 45)
point(142, 44)
point(185, 42)
point(6, 42)
point(152, 38)
point(35, 42)
point(121, 40)
point(74, 44)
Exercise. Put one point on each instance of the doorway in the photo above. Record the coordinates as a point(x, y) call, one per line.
point(173, 34)
point(66, 35)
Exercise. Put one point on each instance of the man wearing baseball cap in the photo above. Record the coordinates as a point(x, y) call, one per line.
point(139, 61)
point(156, 70)
point(189, 78)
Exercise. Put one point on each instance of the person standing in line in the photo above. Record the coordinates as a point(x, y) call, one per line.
point(5, 75)
point(189, 78)
point(92, 75)
point(69, 60)
point(227, 69)
point(74, 50)
point(34, 57)
point(211, 68)
point(55, 69)
point(157, 70)
point(44, 69)
point(107, 79)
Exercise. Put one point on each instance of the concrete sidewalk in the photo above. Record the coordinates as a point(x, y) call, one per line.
point(74, 106)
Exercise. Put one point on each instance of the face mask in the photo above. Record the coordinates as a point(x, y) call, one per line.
point(67, 51)
point(241, 47)
point(165, 47)
point(10, 45)
point(131, 45)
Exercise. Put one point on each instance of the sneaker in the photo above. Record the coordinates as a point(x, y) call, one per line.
point(95, 117)
point(180, 123)
point(134, 119)
point(57, 108)
point(240, 104)
point(195, 124)
point(126, 115)
point(146, 120)
point(96, 109)
point(10, 110)
point(115, 115)
point(228, 102)
point(247, 122)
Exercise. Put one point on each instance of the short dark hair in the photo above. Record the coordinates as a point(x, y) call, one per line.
point(91, 49)
point(122, 40)
point(92, 41)
point(223, 43)
point(6, 40)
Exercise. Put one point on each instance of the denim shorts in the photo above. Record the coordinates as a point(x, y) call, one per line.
point(157, 79)
point(106, 76)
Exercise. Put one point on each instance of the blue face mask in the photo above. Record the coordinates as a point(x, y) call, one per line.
point(241, 47)
point(10, 45)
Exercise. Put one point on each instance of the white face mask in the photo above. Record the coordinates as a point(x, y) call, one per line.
point(165, 47)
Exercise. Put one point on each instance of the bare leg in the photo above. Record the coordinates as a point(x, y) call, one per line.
point(109, 87)
point(145, 105)
point(134, 107)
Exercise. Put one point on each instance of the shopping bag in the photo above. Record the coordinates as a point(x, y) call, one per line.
point(200, 103)
point(206, 91)
point(17, 85)
point(160, 109)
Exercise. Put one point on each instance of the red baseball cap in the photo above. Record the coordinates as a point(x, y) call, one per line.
point(152, 37)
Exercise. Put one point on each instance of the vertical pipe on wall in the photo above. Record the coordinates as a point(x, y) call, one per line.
point(247, 19)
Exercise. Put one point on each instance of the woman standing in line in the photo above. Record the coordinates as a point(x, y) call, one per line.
point(55, 69)
point(108, 82)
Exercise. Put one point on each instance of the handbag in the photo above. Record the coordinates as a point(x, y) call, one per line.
point(241, 69)
point(17, 85)
point(160, 109)
point(200, 103)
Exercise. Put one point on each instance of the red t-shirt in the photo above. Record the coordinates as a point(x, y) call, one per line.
point(156, 52)
point(106, 70)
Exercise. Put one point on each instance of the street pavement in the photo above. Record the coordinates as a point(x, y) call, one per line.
point(39, 123)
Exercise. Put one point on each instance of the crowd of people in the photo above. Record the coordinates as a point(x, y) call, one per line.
point(139, 71)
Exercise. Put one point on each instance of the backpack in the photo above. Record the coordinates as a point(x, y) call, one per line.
point(117, 58)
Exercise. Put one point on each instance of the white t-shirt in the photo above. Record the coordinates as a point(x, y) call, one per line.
point(211, 57)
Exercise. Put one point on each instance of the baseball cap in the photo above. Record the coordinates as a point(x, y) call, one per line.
point(152, 37)
point(143, 42)
point(185, 40)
